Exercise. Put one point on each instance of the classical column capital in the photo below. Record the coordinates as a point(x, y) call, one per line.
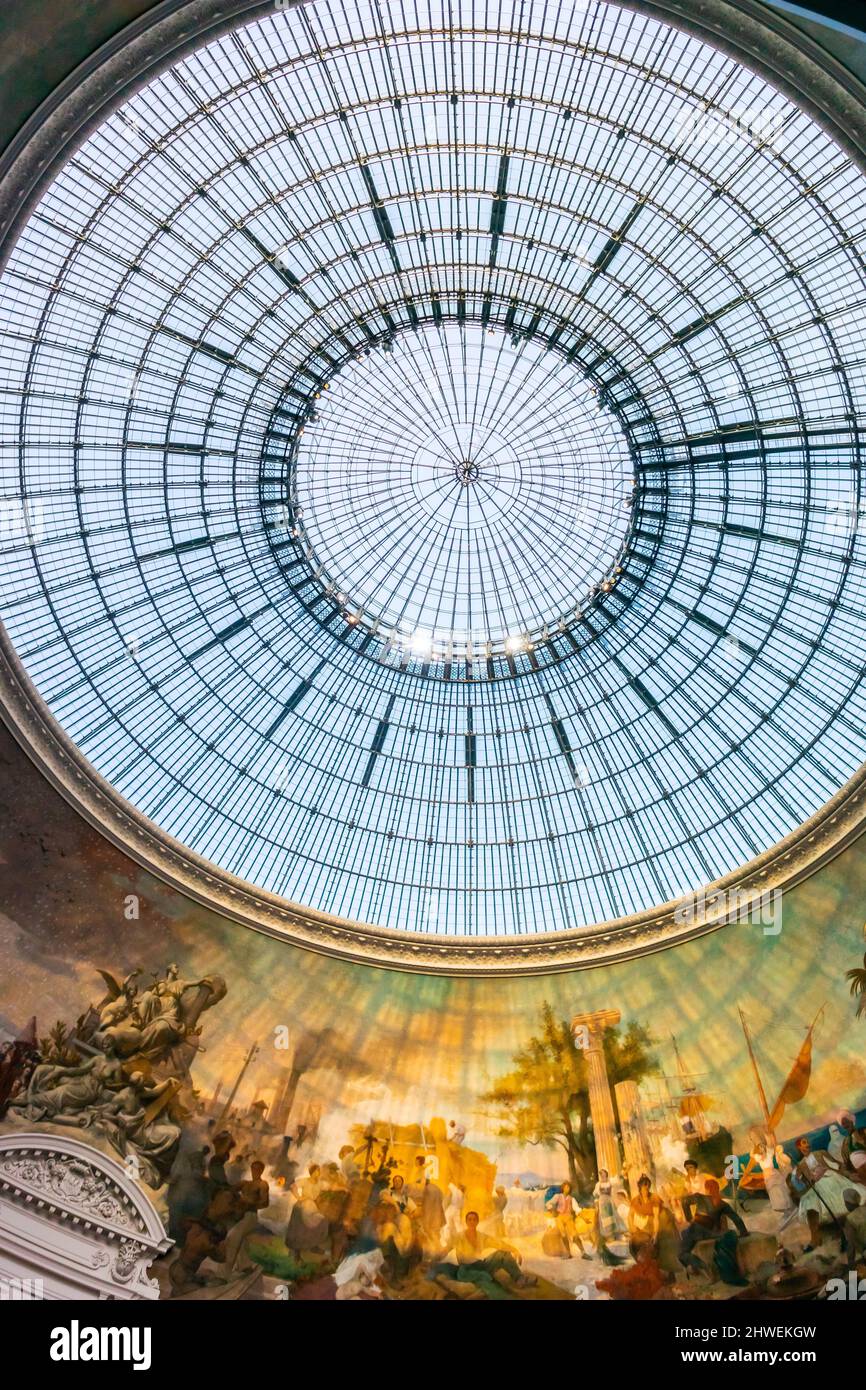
point(596, 1021)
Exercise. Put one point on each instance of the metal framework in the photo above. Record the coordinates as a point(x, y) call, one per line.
point(458, 500)
point(571, 248)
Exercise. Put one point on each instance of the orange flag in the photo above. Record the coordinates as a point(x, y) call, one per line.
point(797, 1082)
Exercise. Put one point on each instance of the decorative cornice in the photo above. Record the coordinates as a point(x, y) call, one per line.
point(69, 1181)
point(74, 1213)
point(757, 36)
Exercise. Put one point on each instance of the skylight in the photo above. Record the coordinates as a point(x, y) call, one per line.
point(431, 460)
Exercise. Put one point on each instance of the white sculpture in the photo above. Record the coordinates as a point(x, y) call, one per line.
point(73, 1223)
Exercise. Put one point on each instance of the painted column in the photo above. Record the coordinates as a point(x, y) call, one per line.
point(635, 1140)
point(588, 1031)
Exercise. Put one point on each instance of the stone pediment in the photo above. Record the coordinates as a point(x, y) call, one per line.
point(77, 1218)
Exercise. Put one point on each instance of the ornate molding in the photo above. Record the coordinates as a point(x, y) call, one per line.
point(70, 1186)
point(80, 1183)
point(87, 1197)
point(760, 38)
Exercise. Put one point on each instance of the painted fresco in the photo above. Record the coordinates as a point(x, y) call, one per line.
point(311, 1129)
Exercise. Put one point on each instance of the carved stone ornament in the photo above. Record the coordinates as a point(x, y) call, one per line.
point(73, 1217)
point(73, 1183)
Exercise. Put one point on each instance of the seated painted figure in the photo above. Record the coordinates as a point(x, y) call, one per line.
point(486, 1262)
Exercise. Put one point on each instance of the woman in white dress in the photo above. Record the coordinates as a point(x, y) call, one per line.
point(608, 1222)
point(775, 1165)
point(307, 1228)
point(454, 1210)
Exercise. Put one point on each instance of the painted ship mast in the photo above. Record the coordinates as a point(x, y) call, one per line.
point(693, 1105)
point(794, 1088)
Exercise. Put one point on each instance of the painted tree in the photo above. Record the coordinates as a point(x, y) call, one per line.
point(857, 978)
point(544, 1100)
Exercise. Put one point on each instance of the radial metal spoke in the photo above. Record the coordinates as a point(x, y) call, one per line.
point(431, 460)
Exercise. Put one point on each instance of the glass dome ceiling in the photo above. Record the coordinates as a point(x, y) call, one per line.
point(460, 493)
point(431, 460)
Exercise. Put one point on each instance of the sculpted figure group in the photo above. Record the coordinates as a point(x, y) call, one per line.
point(121, 1070)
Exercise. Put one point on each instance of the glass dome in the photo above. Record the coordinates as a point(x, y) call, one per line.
point(431, 460)
point(461, 493)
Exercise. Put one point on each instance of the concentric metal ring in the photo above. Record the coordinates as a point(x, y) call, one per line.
point(758, 506)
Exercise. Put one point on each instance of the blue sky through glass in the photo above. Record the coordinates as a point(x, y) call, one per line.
point(653, 255)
